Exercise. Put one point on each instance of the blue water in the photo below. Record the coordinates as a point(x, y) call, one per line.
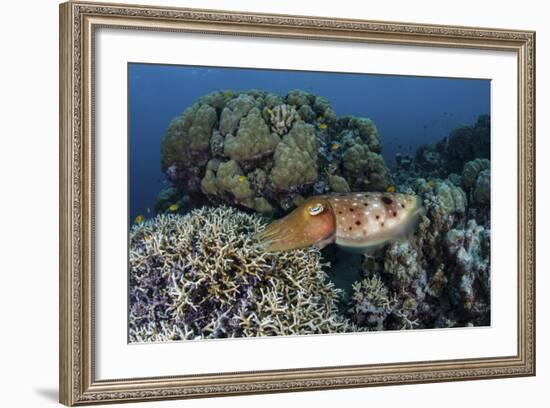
point(408, 111)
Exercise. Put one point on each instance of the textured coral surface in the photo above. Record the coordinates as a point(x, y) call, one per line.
point(243, 158)
point(282, 148)
point(203, 275)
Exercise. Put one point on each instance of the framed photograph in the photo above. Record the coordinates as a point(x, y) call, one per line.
point(260, 203)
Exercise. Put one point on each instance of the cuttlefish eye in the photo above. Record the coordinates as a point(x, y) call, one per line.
point(316, 209)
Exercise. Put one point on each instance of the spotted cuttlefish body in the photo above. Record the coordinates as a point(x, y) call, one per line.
point(359, 222)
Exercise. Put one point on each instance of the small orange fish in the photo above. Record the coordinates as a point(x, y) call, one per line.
point(174, 207)
point(323, 126)
point(391, 189)
point(360, 222)
point(335, 146)
point(139, 219)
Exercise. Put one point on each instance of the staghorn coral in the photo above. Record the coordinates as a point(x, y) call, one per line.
point(374, 307)
point(203, 275)
point(372, 304)
point(289, 147)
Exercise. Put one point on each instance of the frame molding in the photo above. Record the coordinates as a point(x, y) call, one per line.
point(78, 21)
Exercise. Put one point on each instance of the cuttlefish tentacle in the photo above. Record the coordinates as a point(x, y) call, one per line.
point(354, 221)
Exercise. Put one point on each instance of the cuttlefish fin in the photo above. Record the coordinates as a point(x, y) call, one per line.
point(324, 242)
point(362, 249)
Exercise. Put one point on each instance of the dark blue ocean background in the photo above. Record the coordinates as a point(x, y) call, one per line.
point(408, 111)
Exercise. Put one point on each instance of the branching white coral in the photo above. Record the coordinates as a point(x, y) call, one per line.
point(204, 275)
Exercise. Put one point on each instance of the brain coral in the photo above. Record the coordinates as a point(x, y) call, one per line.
point(204, 275)
point(287, 146)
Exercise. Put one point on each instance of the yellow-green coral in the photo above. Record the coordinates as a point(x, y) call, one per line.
point(227, 177)
point(285, 145)
point(338, 184)
point(204, 275)
point(476, 179)
point(234, 111)
point(295, 159)
point(188, 135)
point(367, 170)
point(253, 139)
point(472, 169)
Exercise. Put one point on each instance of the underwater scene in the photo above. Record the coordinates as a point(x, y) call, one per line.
point(273, 202)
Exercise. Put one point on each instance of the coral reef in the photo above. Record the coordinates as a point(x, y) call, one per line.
point(476, 179)
point(466, 143)
point(204, 275)
point(282, 117)
point(253, 139)
point(469, 258)
point(226, 179)
point(372, 303)
point(294, 161)
point(186, 146)
point(439, 160)
point(439, 277)
point(287, 146)
point(432, 280)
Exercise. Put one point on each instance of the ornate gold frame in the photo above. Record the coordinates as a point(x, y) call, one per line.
point(78, 22)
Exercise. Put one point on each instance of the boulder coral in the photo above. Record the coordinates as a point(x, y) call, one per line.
point(287, 147)
point(205, 276)
point(186, 146)
point(294, 161)
point(227, 180)
point(476, 178)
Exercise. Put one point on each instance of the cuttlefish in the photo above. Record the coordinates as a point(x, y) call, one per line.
point(360, 222)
